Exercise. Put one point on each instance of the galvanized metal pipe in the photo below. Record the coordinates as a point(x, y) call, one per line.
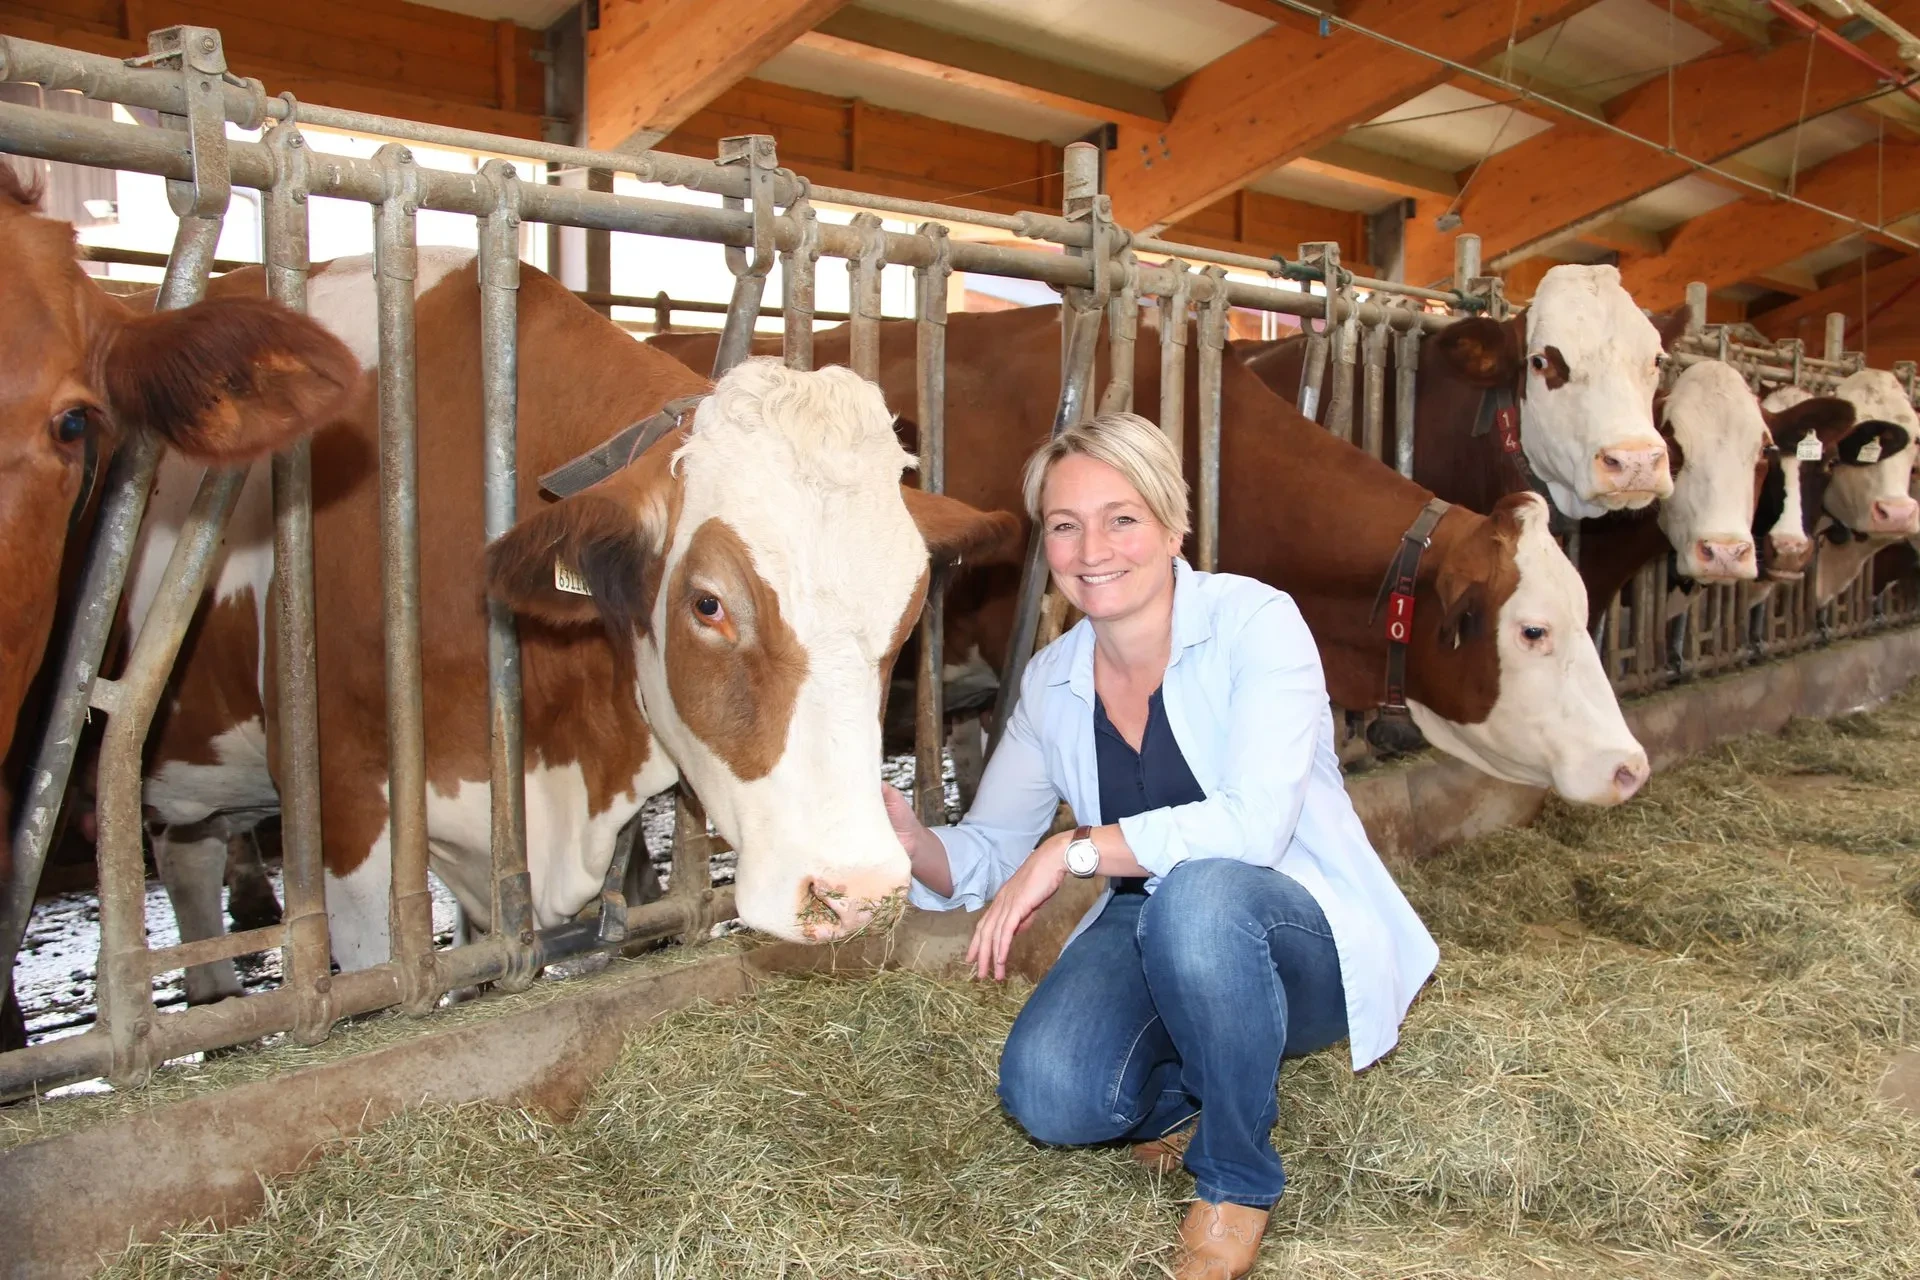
point(930, 381)
point(1213, 346)
point(396, 259)
point(306, 953)
point(864, 279)
point(1298, 271)
point(1313, 373)
point(1466, 261)
point(1836, 336)
point(1173, 360)
point(499, 277)
point(1346, 338)
point(1373, 400)
point(755, 154)
point(1406, 371)
point(798, 275)
point(1123, 331)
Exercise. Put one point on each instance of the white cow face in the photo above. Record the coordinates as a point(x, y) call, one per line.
point(1556, 722)
point(765, 577)
point(1718, 444)
point(1867, 488)
point(1586, 418)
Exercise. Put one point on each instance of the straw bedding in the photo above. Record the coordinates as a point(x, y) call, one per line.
point(1653, 1049)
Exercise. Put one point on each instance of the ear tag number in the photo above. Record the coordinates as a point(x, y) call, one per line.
point(1869, 453)
point(1808, 450)
point(1399, 617)
point(565, 579)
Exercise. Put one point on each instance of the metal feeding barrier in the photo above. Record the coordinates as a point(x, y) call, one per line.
point(766, 215)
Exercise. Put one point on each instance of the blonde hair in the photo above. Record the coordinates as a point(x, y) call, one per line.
point(1131, 445)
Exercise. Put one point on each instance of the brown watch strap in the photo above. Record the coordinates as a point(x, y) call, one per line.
point(1083, 833)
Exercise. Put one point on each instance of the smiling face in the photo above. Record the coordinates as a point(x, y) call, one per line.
point(1109, 557)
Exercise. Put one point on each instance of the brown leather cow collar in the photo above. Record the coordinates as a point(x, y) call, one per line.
point(601, 461)
point(1396, 596)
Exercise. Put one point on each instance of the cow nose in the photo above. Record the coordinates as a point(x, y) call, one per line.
point(1896, 515)
point(834, 907)
point(1628, 777)
point(1630, 467)
point(1725, 557)
point(1790, 556)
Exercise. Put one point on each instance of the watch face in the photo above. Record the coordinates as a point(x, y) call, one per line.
point(1082, 858)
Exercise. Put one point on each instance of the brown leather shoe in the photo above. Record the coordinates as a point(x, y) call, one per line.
point(1163, 1154)
point(1219, 1241)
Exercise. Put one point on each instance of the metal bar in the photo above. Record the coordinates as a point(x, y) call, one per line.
point(930, 369)
point(1173, 361)
point(1123, 331)
point(1213, 346)
point(1406, 372)
point(1313, 373)
point(410, 904)
point(756, 154)
point(1345, 338)
point(864, 277)
point(1836, 335)
point(499, 277)
point(798, 275)
point(226, 946)
point(1083, 324)
point(661, 301)
point(306, 958)
point(690, 882)
point(1280, 268)
point(1373, 398)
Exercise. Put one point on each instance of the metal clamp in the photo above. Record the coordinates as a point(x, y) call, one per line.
point(203, 72)
point(931, 280)
point(756, 152)
point(1323, 256)
point(798, 277)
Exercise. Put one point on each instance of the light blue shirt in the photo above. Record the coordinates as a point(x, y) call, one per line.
point(1247, 702)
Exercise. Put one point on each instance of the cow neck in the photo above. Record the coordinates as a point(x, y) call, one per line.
point(1396, 597)
point(1499, 418)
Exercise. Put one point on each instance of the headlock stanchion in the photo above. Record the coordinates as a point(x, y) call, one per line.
point(764, 212)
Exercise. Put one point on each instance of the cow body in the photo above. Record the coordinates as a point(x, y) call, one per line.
point(1500, 670)
point(626, 690)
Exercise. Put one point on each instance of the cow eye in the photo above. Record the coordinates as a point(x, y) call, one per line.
point(708, 607)
point(72, 425)
point(1533, 633)
point(1537, 362)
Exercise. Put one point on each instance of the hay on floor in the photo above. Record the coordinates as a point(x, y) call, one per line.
point(1652, 1050)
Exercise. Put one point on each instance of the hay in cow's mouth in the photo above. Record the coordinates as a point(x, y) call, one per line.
point(1652, 1050)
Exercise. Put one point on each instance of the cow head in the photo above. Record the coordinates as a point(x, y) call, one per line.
point(1554, 720)
point(225, 381)
point(1871, 468)
point(1592, 366)
point(1794, 488)
point(1718, 447)
point(763, 569)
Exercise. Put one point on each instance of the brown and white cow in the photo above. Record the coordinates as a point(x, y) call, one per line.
point(1868, 502)
point(229, 380)
point(1500, 672)
point(1580, 364)
point(751, 577)
point(1794, 494)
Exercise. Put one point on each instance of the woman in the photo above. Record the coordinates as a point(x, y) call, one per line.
point(1185, 722)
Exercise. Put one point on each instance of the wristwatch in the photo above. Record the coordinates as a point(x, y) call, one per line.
point(1082, 858)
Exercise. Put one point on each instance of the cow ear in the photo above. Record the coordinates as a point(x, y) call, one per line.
point(1483, 352)
point(957, 533)
point(1671, 327)
point(1463, 618)
point(227, 380)
point(1822, 416)
point(585, 558)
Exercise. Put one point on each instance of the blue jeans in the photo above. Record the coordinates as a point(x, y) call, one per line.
point(1182, 1001)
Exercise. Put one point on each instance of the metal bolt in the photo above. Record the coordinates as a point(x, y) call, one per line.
point(526, 937)
point(707, 896)
point(323, 984)
point(208, 44)
point(143, 1028)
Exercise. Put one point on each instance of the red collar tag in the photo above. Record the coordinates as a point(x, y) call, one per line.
point(1507, 421)
point(1399, 617)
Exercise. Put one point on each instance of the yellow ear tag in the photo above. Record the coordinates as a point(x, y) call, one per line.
point(565, 579)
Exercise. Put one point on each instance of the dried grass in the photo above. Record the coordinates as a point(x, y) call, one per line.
point(1652, 1050)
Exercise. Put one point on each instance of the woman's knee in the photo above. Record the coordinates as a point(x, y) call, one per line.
point(1201, 906)
point(1046, 1089)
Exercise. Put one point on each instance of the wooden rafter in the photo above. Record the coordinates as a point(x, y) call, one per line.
point(652, 63)
point(1750, 236)
point(1287, 92)
point(1806, 317)
point(1721, 104)
point(901, 45)
point(1366, 168)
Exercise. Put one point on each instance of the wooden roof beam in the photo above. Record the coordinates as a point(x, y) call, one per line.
point(652, 63)
point(1348, 163)
point(1758, 233)
point(881, 39)
point(1721, 105)
point(1287, 92)
point(1791, 319)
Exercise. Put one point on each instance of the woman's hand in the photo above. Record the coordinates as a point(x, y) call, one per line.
point(906, 824)
point(925, 853)
point(1011, 910)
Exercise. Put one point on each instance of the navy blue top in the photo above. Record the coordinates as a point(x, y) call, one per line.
point(1154, 777)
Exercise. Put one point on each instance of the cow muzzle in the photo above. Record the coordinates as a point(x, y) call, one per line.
point(1614, 782)
point(833, 907)
point(1631, 475)
point(1790, 554)
point(1721, 560)
point(1898, 517)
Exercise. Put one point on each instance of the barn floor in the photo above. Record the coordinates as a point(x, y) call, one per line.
point(1659, 1044)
